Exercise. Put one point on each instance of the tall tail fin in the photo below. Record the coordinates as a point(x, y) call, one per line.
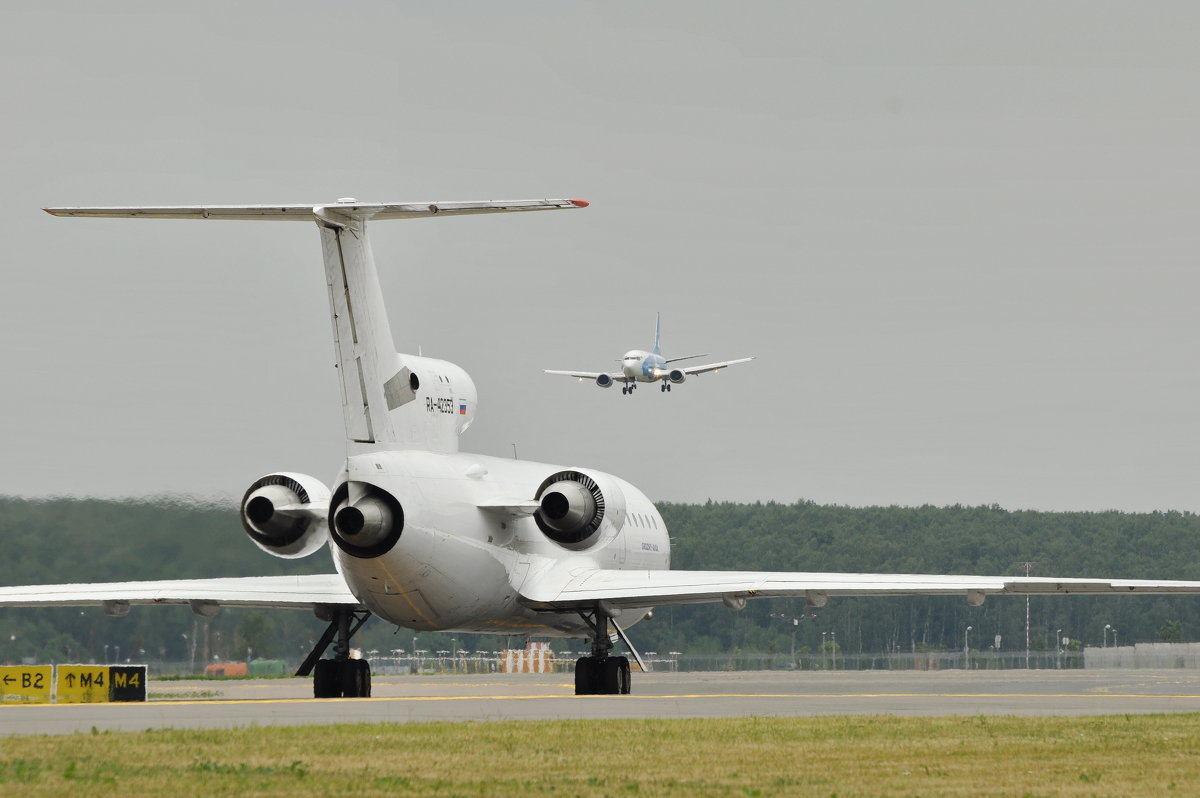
point(657, 333)
point(403, 401)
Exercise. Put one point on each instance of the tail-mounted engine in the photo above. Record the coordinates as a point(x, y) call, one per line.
point(571, 508)
point(676, 376)
point(284, 514)
point(604, 381)
point(364, 520)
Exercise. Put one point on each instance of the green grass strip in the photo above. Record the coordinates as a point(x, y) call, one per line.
point(825, 756)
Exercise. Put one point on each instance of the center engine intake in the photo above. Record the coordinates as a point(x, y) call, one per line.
point(364, 520)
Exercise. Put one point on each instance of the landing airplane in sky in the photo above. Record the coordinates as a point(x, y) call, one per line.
point(427, 537)
point(641, 366)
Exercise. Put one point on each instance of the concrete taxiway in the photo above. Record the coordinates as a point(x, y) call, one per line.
point(226, 704)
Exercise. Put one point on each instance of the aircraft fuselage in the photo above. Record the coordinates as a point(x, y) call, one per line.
point(458, 566)
point(642, 366)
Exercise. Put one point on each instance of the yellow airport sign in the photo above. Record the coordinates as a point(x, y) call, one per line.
point(25, 684)
point(95, 684)
point(81, 684)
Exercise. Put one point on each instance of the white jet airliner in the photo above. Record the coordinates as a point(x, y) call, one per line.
point(427, 537)
point(639, 365)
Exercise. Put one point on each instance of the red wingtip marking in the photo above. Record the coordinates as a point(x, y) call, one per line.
point(580, 203)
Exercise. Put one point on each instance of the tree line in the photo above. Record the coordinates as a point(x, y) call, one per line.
point(87, 540)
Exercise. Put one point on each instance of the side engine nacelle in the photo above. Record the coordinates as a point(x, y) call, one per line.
point(604, 381)
point(676, 376)
point(284, 514)
point(574, 505)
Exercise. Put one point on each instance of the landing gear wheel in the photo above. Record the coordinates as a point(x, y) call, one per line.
point(608, 676)
point(326, 683)
point(624, 681)
point(342, 678)
point(366, 669)
point(612, 676)
point(587, 672)
point(355, 679)
point(663, 388)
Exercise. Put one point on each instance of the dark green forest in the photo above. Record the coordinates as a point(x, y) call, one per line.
point(74, 540)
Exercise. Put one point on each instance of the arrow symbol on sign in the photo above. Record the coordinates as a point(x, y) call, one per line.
point(8, 679)
point(70, 680)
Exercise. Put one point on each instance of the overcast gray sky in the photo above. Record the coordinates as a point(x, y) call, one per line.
point(961, 238)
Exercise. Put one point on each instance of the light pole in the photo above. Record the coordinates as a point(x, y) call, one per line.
point(1107, 626)
point(823, 649)
point(795, 622)
point(1114, 637)
point(1028, 566)
point(1058, 648)
point(833, 649)
point(967, 646)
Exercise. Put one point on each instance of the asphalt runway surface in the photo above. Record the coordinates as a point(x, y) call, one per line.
point(484, 697)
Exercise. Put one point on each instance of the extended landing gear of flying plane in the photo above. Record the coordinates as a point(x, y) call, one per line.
point(666, 386)
point(599, 673)
point(628, 389)
point(339, 677)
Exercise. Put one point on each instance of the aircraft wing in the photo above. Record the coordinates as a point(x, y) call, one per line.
point(590, 375)
point(296, 592)
point(685, 357)
point(714, 366)
point(557, 589)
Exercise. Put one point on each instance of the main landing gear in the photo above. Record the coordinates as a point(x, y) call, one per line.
point(628, 389)
point(339, 677)
point(601, 674)
point(666, 386)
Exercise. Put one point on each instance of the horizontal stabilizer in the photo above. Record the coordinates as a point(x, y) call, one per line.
point(313, 213)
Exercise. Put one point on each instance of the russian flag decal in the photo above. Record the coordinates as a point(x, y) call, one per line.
point(462, 410)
